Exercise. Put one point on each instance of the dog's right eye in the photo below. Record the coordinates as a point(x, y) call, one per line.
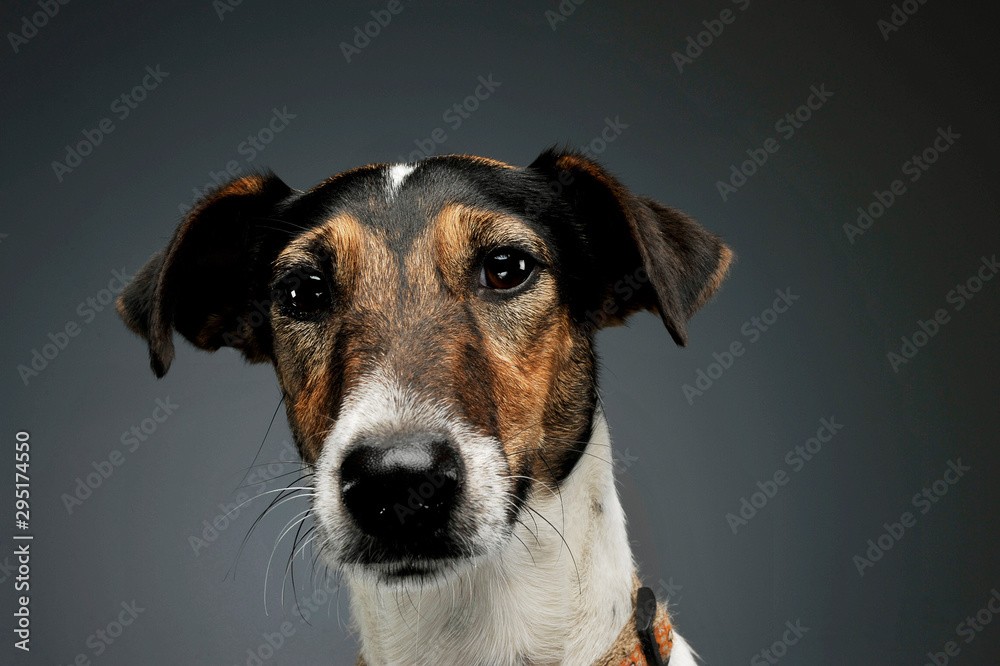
point(505, 269)
point(303, 294)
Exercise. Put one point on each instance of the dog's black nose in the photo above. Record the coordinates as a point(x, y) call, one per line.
point(402, 488)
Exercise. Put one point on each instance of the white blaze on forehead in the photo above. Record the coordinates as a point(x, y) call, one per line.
point(397, 174)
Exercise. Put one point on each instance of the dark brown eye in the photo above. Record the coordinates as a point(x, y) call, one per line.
point(303, 294)
point(506, 268)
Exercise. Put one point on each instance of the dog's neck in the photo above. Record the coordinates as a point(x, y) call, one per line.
point(548, 599)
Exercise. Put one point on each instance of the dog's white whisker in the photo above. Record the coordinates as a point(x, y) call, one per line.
point(267, 570)
point(309, 538)
point(268, 492)
point(295, 520)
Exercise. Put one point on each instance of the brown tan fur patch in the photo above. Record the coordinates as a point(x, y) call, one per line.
point(313, 359)
point(529, 346)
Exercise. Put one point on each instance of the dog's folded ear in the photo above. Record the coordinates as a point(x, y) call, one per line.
point(204, 282)
point(644, 255)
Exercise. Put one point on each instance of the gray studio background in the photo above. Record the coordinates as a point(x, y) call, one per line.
point(683, 464)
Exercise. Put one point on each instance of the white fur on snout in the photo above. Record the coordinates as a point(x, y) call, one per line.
point(380, 405)
point(555, 591)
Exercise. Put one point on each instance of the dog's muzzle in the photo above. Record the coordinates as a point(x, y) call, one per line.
point(401, 491)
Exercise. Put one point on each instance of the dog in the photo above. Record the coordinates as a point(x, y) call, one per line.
point(432, 329)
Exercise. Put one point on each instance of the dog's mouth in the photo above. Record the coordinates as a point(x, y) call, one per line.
point(410, 571)
point(428, 559)
point(399, 558)
point(415, 571)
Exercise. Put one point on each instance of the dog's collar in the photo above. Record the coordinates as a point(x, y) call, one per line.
point(647, 638)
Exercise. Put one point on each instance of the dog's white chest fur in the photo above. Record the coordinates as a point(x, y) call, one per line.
point(543, 601)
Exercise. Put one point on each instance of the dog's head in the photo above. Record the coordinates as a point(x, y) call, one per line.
point(432, 329)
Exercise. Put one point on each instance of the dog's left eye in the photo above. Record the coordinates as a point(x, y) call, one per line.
point(303, 295)
point(506, 268)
